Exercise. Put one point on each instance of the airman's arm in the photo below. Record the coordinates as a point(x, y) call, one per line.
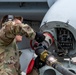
point(10, 30)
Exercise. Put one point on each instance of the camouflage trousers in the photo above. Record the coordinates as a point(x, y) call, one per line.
point(9, 69)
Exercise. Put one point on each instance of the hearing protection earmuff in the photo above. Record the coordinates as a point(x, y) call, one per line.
point(10, 17)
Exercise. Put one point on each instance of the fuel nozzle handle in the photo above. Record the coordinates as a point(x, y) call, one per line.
point(50, 60)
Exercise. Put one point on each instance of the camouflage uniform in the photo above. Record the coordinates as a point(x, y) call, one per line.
point(9, 56)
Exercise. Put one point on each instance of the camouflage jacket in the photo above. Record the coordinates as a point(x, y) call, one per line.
point(9, 56)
